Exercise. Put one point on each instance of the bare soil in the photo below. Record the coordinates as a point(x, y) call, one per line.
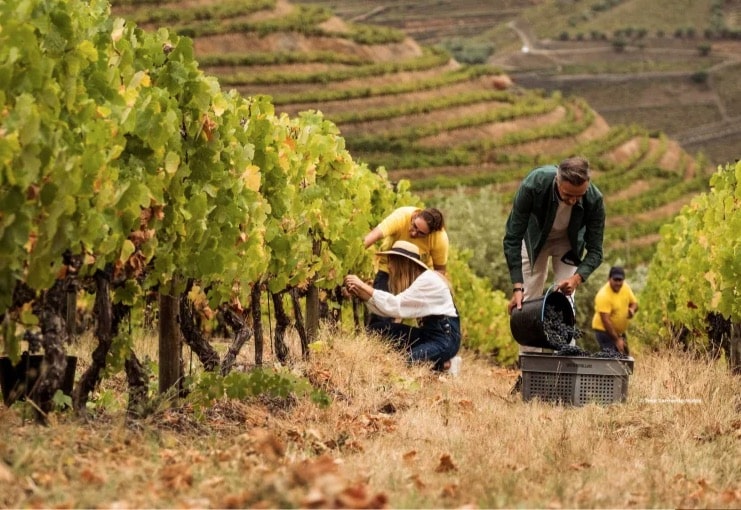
point(493, 130)
point(292, 41)
point(443, 171)
point(276, 89)
point(635, 189)
point(378, 102)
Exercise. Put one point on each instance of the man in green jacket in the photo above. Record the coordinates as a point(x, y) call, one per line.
point(558, 215)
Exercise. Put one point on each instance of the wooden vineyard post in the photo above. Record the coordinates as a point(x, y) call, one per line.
point(735, 348)
point(312, 313)
point(169, 339)
point(312, 302)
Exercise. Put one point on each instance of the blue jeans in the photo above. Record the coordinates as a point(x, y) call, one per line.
point(606, 343)
point(437, 339)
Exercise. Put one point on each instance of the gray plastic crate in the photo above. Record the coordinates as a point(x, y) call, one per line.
point(576, 380)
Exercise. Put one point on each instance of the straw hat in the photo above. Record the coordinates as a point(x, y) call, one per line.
point(407, 250)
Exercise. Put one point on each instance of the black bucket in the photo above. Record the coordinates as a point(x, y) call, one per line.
point(527, 324)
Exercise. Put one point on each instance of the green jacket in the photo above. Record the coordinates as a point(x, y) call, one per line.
point(532, 216)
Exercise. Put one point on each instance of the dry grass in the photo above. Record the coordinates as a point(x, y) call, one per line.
point(400, 437)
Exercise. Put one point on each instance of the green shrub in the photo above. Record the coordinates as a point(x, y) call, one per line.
point(700, 77)
point(469, 52)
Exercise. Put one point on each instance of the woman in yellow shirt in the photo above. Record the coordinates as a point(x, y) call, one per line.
point(424, 228)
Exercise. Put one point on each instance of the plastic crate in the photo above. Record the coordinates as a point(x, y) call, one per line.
point(575, 380)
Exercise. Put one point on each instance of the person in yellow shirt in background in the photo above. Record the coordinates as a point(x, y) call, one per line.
point(424, 228)
point(614, 306)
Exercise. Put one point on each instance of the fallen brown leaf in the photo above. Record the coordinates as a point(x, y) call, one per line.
point(6, 475)
point(446, 464)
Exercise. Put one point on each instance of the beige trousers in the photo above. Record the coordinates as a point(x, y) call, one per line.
point(535, 275)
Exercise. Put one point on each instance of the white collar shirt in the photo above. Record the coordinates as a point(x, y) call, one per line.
point(428, 295)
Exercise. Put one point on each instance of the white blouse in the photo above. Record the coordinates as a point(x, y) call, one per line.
point(429, 294)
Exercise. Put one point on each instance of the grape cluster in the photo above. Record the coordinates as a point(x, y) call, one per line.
point(610, 355)
point(575, 350)
point(571, 350)
point(558, 333)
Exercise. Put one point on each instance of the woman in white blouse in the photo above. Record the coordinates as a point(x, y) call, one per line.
point(416, 292)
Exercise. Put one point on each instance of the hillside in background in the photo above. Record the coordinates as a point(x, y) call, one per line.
point(670, 66)
point(429, 23)
point(425, 116)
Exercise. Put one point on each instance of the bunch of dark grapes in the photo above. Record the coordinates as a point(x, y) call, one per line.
point(558, 334)
point(610, 355)
point(571, 350)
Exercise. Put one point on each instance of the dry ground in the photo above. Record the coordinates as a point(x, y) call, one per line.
point(395, 437)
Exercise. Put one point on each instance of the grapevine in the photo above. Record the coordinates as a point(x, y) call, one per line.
point(126, 171)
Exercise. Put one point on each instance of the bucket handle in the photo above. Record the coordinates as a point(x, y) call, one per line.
point(545, 298)
point(552, 288)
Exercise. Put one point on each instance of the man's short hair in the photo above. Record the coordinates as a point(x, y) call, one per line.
point(574, 170)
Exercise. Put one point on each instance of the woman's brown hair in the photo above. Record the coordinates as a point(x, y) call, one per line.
point(433, 217)
point(402, 273)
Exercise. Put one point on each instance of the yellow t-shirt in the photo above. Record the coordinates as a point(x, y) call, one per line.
point(433, 248)
point(614, 303)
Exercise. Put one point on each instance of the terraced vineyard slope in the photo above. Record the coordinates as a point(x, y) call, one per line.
point(669, 68)
point(422, 116)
